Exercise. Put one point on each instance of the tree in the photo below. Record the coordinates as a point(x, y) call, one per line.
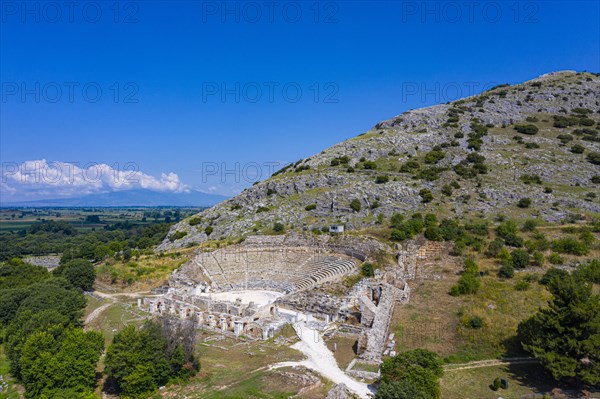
point(140, 360)
point(420, 368)
point(565, 337)
point(79, 272)
point(65, 361)
point(92, 218)
point(404, 389)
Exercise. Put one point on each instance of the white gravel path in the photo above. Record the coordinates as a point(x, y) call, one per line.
point(321, 360)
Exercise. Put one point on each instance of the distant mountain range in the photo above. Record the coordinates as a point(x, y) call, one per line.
point(127, 198)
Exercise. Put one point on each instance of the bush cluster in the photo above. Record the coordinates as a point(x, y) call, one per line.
point(469, 282)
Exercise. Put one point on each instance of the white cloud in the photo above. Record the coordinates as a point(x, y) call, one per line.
point(43, 179)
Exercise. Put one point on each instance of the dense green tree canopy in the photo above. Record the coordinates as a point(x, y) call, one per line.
point(140, 360)
point(79, 272)
point(404, 389)
point(566, 335)
point(418, 369)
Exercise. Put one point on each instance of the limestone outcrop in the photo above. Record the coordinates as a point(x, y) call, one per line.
point(318, 191)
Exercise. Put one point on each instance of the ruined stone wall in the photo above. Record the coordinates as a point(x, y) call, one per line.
point(376, 336)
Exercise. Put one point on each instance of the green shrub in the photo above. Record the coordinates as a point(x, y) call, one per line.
point(531, 179)
point(496, 384)
point(577, 149)
point(195, 221)
point(538, 259)
point(475, 322)
point(278, 227)
point(367, 269)
point(520, 258)
point(451, 230)
point(311, 207)
point(433, 233)
point(508, 232)
point(564, 138)
point(429, 174)
point(208, 230)
point(506, 271)
point(369, 165)
point(553, 273)
point(556, 259)
point(524, 203)
point(495, 247)
point(426, 195)
point(530, 225)
point(434, 156)
point(355, 205)
point(522, 286)
point(177, 235)
point(568, 245)
point(562, 122)
point(589, 272)
point(469, 282)
point(381, 179)
point(594, 158)
point(527, 129)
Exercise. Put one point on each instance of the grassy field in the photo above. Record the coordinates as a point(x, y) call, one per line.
point(475, 383)
point(115, 317)
point(437, 321)
point(142, 272)
point(236, 369)
point(344, 350)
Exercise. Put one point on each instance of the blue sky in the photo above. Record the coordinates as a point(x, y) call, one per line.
point(208, 93)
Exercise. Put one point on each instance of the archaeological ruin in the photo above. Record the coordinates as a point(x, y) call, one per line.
point(254, 288)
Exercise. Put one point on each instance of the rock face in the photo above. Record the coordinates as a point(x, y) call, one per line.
point(340, 391)
point(383, 171)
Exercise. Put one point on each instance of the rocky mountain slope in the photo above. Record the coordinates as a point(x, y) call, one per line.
point(526, 150)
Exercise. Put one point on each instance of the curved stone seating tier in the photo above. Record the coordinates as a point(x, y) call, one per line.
point(279, 269)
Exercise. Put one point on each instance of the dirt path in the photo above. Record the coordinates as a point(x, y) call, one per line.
point(92, 316)
point(490, 363)
point(125, 294)
point(112, 298)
